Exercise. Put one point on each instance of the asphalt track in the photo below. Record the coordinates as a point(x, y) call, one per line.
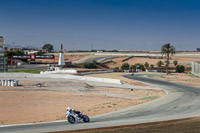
point(181, 101)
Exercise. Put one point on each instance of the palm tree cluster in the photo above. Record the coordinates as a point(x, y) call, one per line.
point(168, 49)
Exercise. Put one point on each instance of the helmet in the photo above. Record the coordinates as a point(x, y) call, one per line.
point(68, 108)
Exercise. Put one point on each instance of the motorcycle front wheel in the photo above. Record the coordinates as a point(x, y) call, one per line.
point(85, 118)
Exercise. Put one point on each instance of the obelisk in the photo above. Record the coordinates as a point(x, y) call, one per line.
point(61, 57)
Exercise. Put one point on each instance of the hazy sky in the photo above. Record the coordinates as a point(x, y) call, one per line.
point(106, 24)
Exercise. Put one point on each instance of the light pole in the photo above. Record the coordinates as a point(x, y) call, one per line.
point(91, 47)
point(73, 48)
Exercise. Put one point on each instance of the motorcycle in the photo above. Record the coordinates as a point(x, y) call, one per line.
point(74, 117)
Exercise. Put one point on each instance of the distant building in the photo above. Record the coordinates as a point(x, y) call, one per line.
point(196, 68)
point(3, 61)
point(1, 42)
point(28, 52)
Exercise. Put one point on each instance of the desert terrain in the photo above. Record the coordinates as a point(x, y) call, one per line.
point(113, 61)
point(29, 103)
point(182, 78)
point(49, 102)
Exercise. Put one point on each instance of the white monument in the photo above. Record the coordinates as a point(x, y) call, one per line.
point(61, 57)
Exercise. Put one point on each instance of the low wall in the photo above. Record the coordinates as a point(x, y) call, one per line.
point(74, 77)
point(59, 71)
point(95, 72)
point(151, 70)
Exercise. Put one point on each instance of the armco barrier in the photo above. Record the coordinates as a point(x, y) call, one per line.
point(10, 82)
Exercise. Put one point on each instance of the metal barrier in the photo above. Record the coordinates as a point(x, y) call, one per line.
point(10, 82)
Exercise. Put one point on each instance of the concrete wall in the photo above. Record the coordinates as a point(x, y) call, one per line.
point(59, 71)
point(95, 72)
point(74, 77)
point(196, 68)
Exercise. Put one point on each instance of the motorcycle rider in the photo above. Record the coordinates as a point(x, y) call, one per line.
point(70, 110)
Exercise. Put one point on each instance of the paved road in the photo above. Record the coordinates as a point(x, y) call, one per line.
point(181, 102)
point(100, 59)
point(29, 67)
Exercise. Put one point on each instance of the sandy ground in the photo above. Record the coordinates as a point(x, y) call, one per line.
point(181, 60)
point(29, 103)
point(117, 62)
point(182, 78)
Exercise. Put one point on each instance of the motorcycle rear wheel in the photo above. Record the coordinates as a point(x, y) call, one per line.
point(71, 119)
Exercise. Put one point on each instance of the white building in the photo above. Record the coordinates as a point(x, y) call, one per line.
point(28, 52)
point(196, 68)
point(1, 42)
point(3, 61)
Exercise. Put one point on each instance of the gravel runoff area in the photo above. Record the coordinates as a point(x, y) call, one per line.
point(44, 99)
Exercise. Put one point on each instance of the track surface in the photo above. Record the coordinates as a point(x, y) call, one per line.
point(182, 101)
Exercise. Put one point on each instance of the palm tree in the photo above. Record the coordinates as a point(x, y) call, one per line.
point(168, 49)
point(152, 66)
point(175, 62)
point(159, 63)
point(146, 64)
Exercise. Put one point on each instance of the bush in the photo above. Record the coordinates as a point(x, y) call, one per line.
point(146, 64)
point(140, 66)
point(125, 66)
point(90, 65)
point(175, 62)
point(133, 68)
point(159, 63)
point(116, 68)
point(180, 68)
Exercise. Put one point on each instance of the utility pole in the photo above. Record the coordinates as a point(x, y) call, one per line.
point(13, 43)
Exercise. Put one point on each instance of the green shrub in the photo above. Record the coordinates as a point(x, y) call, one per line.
point(140, 66)
point(125, 66)
point(175, 62)
point(180, 68)
point(133, 68)
point(116, 68)
point(146, 64)
point(90, 65)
